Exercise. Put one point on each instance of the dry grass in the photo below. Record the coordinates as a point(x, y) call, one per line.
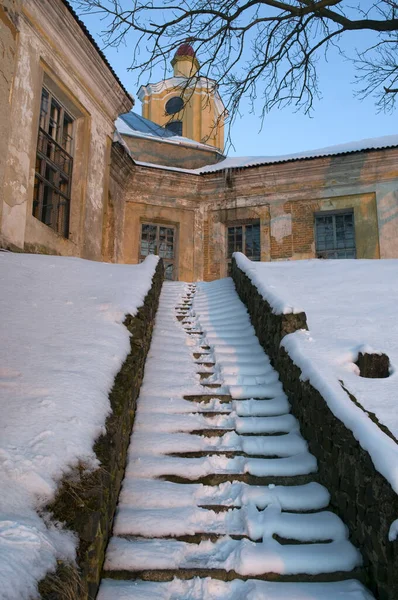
point(64, 584)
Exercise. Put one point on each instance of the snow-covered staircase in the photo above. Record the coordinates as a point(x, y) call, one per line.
point(220, 499)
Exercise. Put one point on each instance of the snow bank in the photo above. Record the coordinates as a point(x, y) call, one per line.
point(351, 306)
point(63, 343)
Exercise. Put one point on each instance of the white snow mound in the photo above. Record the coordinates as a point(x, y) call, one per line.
point(63, 343)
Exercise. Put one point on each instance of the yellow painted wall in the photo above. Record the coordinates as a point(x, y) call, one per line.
point(199, 115)
point(183, 219)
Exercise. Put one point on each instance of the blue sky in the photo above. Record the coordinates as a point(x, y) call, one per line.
point(337, 117)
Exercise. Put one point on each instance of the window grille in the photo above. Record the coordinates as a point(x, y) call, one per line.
point(244, 238)
point(54, 164)
point(335, 235)
point(160, 240)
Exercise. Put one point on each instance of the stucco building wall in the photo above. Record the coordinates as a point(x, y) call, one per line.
point(166, 198)
point(284, 197)
point(54, 50)
point(9, 15)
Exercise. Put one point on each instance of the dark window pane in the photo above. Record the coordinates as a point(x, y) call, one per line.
point(256, 242)
point(175, 127)
point(47, 208)
point(174, 105)
point(168, 272)
point(44, 108)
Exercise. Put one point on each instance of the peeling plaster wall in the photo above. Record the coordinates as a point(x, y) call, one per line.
point(282, 197)
point(290, 193)
point(9, 14)
point(113, 235)
point(165, 197)
point(53, 46)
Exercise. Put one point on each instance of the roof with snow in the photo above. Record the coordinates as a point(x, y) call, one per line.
point(137, 124)
point(132, 124)
point(366, 145)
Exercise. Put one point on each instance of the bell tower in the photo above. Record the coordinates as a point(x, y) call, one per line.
point(186, 104)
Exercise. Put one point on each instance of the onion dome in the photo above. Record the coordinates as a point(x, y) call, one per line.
point(185, 50)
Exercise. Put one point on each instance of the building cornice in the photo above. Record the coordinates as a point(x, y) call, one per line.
point(179, 85)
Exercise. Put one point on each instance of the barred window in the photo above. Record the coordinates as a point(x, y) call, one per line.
point(335, 235)
point(160, 240)
point(246, 239)
point(243, 238)
point(54, 164)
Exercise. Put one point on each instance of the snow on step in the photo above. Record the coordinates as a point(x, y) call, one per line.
point(150, 493)
point(241, 556)
point(247, 521)
point(196, 468)
point(249, 431)
point(213, 589)
point(147, 443)
point(262, 408)
point(177, 405)
point(179, 422)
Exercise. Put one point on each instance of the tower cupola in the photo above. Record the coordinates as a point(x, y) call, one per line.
point(185, 63)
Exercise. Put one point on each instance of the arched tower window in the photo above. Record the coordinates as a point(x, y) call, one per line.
point(175, 127)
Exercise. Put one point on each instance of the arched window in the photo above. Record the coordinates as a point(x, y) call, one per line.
point(174, 105)
point(175, 127)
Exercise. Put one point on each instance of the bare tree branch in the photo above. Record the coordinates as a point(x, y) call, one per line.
point(266, 50)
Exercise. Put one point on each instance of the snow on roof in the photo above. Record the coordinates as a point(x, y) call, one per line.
point(351, 307)
point(239, 162)
point(134, 125)
point(64, 342)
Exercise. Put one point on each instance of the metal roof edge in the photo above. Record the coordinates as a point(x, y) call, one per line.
point(97, 48)
point(202, 170)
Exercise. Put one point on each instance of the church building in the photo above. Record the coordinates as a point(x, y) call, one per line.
point(83, 175)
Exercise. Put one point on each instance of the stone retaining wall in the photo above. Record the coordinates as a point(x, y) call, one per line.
point(360, 495)
point(86, 503)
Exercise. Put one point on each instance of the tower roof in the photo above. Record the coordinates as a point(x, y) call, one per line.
point(185, 50)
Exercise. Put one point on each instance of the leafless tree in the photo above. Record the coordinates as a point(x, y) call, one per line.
point(266, 50)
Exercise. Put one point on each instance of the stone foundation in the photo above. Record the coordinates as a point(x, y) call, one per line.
point(86, 503)
point(360, 495)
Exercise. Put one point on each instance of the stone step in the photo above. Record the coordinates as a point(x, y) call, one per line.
point(216, 479)
point(323, 526)
point(212, 589)
point(269, 560)
point(150, 493)
point(165, 575)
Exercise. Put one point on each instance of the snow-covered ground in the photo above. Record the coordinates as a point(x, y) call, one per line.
point(63, 341)
point(351, 306)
